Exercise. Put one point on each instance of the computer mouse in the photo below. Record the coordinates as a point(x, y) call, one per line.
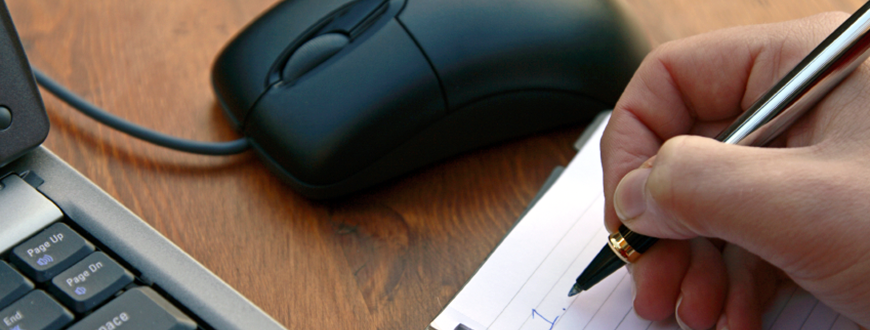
point(339, 95)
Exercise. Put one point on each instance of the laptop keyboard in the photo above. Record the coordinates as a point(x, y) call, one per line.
point(53, 276)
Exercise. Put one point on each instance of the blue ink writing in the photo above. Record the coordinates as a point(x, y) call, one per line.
point(552, 323)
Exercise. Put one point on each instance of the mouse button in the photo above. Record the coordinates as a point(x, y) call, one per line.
point(356, 18)
point(341, 117)
point(312, 53)
point(240, 72)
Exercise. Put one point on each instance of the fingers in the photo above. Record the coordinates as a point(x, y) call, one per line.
point(751, 284)
point(697, 86)
point(703, 287)
point(690, 275)
point(658, 276)
point(702, 291)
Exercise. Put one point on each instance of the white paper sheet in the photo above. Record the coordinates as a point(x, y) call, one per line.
point(524, 283)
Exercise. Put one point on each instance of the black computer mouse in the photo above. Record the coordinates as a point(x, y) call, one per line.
point(338, 95)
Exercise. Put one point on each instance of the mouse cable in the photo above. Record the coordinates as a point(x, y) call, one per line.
point(139, 132)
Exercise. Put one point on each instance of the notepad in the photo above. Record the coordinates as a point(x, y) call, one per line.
point(524, 283)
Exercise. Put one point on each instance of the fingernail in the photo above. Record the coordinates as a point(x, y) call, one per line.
point(628, 199)
point(677, 314)
point(723, 323)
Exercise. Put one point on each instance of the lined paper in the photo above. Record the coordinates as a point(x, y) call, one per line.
point(524, 283)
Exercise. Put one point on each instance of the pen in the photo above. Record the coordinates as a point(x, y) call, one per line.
point(816, 75)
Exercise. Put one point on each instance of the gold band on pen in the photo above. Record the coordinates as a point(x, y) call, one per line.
point(621, 248)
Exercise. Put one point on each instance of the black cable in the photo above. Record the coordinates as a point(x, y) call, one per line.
point(139, 132)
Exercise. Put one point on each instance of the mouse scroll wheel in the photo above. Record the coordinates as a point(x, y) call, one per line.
point(312, 53)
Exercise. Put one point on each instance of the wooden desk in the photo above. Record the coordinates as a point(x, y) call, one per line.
point(390, 258)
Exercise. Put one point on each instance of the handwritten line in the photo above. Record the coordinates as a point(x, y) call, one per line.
point(577, 221)
point(552, 324)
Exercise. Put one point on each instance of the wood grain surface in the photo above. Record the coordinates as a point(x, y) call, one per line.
point(389, 258)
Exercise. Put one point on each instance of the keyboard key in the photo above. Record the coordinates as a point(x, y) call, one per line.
point(50, 252)
point(36, 311)
point(90, 282)
point(12, 285)
point(25, 211)
point(137, 309)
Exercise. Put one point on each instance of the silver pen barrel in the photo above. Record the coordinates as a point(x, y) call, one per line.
point(805, 85)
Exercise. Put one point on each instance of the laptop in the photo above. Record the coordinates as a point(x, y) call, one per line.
point(72, 257)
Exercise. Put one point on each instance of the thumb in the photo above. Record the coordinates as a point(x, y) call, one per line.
point(763, 199)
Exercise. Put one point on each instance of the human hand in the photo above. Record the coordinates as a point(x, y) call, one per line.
point(737, 220)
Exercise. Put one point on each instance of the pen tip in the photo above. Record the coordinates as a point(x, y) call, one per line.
point(605, 263)
point(574, 291)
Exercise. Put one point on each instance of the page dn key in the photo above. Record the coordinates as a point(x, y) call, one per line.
point(90, 282)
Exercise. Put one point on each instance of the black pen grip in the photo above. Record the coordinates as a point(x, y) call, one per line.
point(638, 242)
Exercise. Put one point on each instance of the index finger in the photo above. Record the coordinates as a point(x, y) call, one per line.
point(699, 85)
